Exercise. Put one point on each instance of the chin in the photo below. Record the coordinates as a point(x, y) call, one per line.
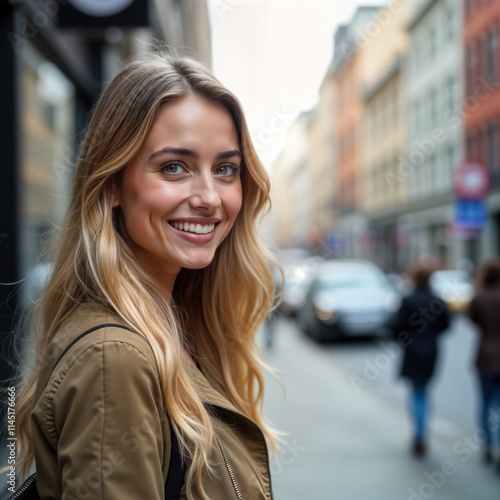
point(198, 263)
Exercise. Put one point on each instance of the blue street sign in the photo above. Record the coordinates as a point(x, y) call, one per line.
point(470, 214)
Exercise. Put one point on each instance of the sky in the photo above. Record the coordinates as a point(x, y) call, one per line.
point(273, 54)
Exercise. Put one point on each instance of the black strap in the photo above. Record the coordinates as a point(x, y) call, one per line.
point(175, 474)
point(86, 332)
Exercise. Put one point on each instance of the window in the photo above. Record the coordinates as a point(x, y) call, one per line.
point(469, 147)
point(432, 43)
point(418, 55)
point(470, 69)
point(497, 145)
point(491, 154)
point(469, 7)
point(450, 161)
point(416, 115)
point(433, 108)
point(450, 92)
point(450, 24)
point(491, 48)
point(433, 175)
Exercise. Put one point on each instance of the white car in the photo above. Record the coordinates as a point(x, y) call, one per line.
point(348, 298)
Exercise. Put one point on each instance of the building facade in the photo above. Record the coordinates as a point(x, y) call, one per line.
point(348, 70)
point(292, 187)
point(481, 111)
point(384, 189)
point(435, 128)
point(322, 167)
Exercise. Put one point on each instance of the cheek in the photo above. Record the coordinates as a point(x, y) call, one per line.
point(154, 198)
point(234, 200)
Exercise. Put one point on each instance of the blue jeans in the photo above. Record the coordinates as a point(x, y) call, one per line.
point(490, 406)
point(419, 408)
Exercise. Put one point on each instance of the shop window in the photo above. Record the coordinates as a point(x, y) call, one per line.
point(47, 118)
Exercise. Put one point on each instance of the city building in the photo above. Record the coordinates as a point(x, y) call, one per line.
point(347, 69)
point(435, 146)
point(322, 168)
point(291, 193)
point(384, 190)
point(481, 111)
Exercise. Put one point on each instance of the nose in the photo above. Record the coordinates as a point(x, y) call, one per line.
point(205, 194)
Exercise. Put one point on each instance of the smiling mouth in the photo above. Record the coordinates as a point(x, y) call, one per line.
point(193, 228)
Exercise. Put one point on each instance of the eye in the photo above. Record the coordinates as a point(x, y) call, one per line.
point(227, 170)
point(173, 168)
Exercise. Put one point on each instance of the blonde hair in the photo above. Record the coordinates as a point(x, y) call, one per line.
point(94, 264)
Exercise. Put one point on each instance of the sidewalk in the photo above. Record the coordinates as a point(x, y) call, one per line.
point(346, 446)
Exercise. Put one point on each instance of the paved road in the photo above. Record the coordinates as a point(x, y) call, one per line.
point(351, 442)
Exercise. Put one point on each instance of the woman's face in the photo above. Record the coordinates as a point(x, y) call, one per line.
point(182, 192)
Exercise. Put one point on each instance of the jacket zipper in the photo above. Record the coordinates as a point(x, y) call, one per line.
point(229, 469)
point(259, 430)
point(25, 486)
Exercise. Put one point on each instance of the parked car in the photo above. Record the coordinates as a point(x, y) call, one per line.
point(297, 280)
point(348, 298)
point(455, 287)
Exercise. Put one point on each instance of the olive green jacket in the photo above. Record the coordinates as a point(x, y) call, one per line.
point(99, 430)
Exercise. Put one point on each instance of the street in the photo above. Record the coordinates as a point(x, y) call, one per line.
point(348, 433)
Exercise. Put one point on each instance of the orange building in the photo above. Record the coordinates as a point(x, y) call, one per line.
point(481, 107)
point(347, 69)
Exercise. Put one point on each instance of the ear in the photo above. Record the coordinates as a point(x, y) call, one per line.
point(115, 195)
point(115, 200)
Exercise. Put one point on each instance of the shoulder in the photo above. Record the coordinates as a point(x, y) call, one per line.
point(110, 368)
point(93, 344)
point(88, 331)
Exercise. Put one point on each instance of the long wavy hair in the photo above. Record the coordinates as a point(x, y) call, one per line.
point(94, 264)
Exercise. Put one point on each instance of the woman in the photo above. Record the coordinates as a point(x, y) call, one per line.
point(484, 310)
point(160, 245)
point(421, 318)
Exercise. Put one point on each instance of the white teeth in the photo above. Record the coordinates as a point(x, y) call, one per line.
point(194, 228)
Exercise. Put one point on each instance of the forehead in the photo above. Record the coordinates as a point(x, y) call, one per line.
point(192, 121)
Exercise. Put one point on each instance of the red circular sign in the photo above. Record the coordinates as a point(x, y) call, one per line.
point(472, 181)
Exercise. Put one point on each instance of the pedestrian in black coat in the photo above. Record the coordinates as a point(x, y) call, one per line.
point(421, 318)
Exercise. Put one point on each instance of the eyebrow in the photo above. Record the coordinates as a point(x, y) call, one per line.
point(193, 154)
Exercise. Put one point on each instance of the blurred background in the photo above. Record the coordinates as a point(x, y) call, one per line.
point(379, 124)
